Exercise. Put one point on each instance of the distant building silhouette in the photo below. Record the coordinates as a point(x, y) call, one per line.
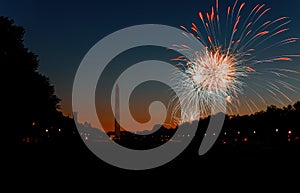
point(117, 114)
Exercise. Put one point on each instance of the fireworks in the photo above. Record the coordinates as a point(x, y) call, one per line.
point(234, 41)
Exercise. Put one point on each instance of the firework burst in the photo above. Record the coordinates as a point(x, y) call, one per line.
point(234, 41)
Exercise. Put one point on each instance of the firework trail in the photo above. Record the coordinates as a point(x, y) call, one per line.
point(234, 40)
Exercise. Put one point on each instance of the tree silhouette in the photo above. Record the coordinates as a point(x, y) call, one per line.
point(30, 96)
point(297, 106)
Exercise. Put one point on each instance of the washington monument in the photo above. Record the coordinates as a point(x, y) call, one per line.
point(117, 114)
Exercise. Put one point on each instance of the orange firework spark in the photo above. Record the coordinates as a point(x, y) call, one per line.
point(229, 58)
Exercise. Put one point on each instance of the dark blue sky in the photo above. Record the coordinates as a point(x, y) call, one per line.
point(61, 32)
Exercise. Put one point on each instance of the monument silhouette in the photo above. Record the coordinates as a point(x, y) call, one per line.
point(117, 114)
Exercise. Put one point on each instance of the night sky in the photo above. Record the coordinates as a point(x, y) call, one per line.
point(61, 32)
